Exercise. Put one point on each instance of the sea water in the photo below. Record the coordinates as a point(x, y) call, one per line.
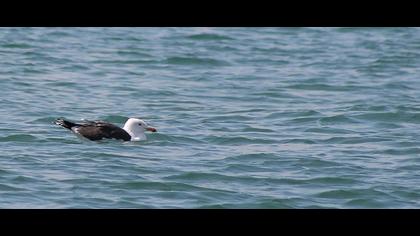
point(246, 117)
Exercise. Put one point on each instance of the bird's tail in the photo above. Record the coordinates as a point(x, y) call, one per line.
point(66, 124)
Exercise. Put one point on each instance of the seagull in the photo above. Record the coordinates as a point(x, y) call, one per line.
point(133, 129)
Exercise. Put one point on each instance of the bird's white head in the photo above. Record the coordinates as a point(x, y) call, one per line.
point(136, 128)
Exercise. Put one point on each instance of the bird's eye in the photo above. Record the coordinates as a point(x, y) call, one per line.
point(139, 124)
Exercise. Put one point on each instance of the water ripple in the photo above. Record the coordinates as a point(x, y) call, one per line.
point(19, 138)
point(195, 61)
point(246, 117)
point(207, 36)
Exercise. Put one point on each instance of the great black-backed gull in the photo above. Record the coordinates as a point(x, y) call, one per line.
point(133, 129)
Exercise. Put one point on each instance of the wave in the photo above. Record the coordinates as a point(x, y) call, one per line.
point(238, 140)
point(119, 62)
point(241, 168)
point(365, 203)
point(274, 94)
point(7, 187)
point(109, 118)
point(19, 138)
point(47, 119)
point(257, 130)
point(353, 140)
point(329, 130)
point(174, 139)
point(225, 118)
point(337, 119)
point(61, 84)
point(339, 194)
point(205, 177)
point(133, 52)
point(401, 151)
point(302, 120)
point(332, 181)
point(209, 36)
point(195, 61)
point(298, 140)
point(390, 117)
point(16, 45)
point(252, 157)
point(161, 186)
point(114, 118)
point(257, 204)
point(298, 114)
point(325, 87)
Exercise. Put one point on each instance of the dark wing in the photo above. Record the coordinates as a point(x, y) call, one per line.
point(97, 130)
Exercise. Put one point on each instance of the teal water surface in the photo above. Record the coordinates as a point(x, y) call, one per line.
point(246, 117)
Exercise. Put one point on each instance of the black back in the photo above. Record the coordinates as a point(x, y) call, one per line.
point(97, 130)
